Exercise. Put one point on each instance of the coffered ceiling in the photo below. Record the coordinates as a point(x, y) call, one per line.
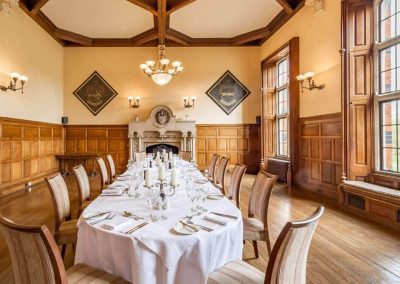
point(149, 22)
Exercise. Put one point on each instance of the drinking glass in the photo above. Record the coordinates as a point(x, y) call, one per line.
point(192, 194)
point(152, 198)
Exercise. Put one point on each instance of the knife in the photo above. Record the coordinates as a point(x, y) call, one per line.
point(225, 215)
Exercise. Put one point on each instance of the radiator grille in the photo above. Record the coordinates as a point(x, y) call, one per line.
point(356, 201)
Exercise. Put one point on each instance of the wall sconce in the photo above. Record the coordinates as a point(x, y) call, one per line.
point(311, 84)
point(135, 103)
point(15, 77)
point(186, 102)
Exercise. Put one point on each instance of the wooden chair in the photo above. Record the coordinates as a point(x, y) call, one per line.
point(83, 188)
point(219, 180)
point(65, 230)
point(103, 173)
point(111, 166)
point(253, 229)
point(233, 190)
point(36, 259)
point(287, 263)
point(140, 156)
point(185, 155)
point(212, 166)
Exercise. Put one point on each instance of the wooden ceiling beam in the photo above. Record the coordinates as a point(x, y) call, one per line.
point(178, 37)
point(178, 6)
point(144, 37)
point(144, 5)
point(161, 20)
point(73, 37)
point(250, 36)
point(37, 6)
point(286, 6)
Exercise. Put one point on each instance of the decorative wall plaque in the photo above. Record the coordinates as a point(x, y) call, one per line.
point(95, 93)
point(228, 92)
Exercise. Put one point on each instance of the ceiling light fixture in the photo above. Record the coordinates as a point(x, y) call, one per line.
point(7, 5)
point(162, 70)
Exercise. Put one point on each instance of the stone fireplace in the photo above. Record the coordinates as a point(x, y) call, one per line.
point(162, 128)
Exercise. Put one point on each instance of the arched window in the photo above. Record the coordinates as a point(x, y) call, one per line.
point(387, 85)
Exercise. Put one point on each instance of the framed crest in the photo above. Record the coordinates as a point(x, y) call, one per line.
point(228, 92)
point(95, 93)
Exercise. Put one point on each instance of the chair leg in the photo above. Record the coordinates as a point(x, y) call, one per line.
point(63, 250)
point(268, 245)
point(255, 246)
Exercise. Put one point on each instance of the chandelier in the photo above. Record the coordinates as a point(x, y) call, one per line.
point(162, 70)
point(7, 5)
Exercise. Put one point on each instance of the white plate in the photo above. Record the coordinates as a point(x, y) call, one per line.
point(183, 230)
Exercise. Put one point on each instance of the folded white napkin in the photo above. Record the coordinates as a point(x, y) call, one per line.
point(117, 223)
point(216, 219)
point(112, 191)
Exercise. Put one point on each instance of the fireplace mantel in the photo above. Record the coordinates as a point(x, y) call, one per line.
point(162, 127)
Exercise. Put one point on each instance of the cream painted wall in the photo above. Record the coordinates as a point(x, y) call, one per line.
point(120, 67)
point(26, 48)
point(319, 46)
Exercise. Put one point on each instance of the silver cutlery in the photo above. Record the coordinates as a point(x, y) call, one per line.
point(98, 215)
point(109, 217)
point(225, 215)
point(134, 216)
point(130, 231)
point(192, 228)
point(200, 226)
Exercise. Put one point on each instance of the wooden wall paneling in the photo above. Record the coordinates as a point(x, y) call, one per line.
point(27, 152)
point(98, 139)
point(241, 143)
point(320, 154)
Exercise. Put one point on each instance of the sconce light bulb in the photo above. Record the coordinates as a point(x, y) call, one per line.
point(185, 98)
point(14, 75)
point(309, 75)
point(23, 78)
point(129, 98)
point(193, 98)
point(301, 78)
point(137, 98)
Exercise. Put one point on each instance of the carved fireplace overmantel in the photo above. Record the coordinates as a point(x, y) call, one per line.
point(162, 127)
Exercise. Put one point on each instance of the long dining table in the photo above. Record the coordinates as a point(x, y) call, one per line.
point(155, 251)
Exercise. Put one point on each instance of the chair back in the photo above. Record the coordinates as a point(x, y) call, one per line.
point(112, 167)
point(185, 155)
point(261, 194)
point(34, 254)
point(140, 156)
point(83, 183)
point(212, 166)
point(60, 197)
point(288, 261)
point(103, 171)
point(233, 190)
point(220, 172)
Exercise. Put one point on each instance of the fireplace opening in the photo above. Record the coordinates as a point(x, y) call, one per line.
point(160, 147)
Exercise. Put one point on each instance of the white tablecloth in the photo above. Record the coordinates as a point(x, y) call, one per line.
point(154, 253)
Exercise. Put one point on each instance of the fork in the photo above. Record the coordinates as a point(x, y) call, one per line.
point(109, 217)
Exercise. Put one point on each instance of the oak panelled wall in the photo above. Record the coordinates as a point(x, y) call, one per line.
point(27, 152)
point(240, 143)
point(99, 139)
point(321, 154)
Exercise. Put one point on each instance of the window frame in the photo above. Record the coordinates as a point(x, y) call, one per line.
point(378, 97)
point(278, 115)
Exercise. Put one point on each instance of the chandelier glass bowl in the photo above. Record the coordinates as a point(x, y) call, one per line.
point(162, 70)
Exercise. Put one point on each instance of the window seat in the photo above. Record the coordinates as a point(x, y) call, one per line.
point(373, 191)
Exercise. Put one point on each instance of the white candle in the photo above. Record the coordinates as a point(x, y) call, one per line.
point(158, 154)
point(158, 161)
point(174, 177)
point(161, 172)
point(147, 178)
point(170, 155)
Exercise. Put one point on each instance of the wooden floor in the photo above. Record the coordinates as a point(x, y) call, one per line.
point(345, 249)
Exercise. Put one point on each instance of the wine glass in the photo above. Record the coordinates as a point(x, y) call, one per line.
point(202, 191)
point(192, 194)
